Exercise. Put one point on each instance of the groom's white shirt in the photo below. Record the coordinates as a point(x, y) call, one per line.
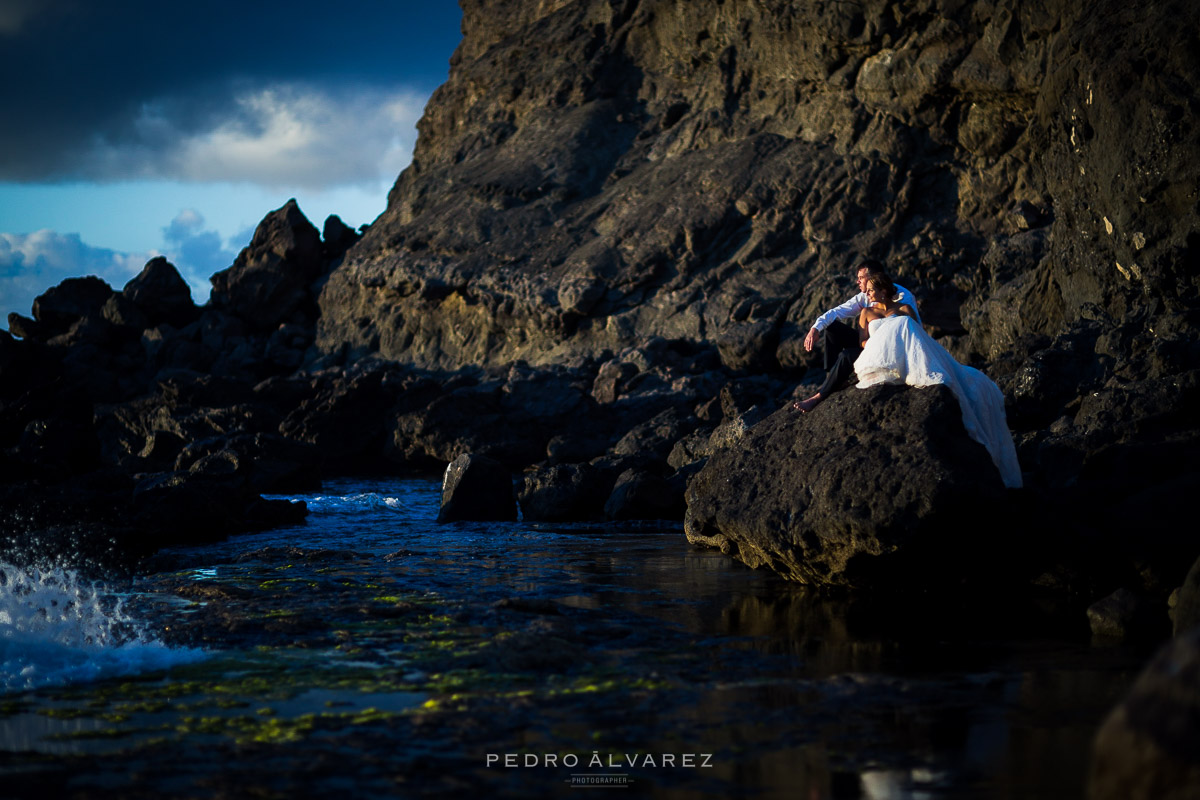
point(855, 304)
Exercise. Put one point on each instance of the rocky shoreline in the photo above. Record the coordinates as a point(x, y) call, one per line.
point(595, 278)
point(601, 264)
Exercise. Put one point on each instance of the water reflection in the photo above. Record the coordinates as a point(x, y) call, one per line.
point(629, 639)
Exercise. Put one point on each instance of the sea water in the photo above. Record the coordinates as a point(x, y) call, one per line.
point(373, 652)
point(57, 628)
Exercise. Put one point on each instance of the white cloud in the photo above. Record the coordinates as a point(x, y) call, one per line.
point(32, 263)
point(197, 253)
point(284, 135)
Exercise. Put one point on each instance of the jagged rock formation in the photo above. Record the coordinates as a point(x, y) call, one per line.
point(597, 172)
point(620, 209)
point(160, 421)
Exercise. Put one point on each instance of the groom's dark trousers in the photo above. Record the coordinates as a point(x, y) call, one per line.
point(841, 346)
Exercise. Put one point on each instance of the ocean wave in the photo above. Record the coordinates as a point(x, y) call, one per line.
point(57, 628)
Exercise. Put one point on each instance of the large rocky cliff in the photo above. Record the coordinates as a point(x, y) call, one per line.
point(596, 172)
point(619, 223)
point(599, 172)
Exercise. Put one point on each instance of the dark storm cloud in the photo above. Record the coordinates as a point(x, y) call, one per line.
point(143, 89)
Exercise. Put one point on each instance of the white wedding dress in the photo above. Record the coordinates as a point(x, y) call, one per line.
point(900, 351)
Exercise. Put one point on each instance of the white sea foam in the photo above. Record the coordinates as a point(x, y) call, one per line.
point(56, 628)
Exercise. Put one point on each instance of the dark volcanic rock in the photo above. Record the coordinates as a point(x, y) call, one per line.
point(1187, 610)
point(269, 282)
point(564, 492)
point(477, 488)
point(161, 294)
point(879, 486)
point(344, 419)
point(70, 301)
point(1120, 615)
point(1146, 748)
point(510, 416)
point(645, 494)
point(337, 236)
point(710, 177)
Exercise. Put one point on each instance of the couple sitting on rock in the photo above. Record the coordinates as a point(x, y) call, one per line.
point(891, 346)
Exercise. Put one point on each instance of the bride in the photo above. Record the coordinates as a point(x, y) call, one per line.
point(898, 350)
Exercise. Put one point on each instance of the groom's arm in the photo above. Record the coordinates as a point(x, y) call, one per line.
point(849, 308)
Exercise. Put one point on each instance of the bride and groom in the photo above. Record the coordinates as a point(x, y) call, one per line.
point(891, 346)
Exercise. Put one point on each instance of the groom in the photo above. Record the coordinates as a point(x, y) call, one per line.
point(841, 343)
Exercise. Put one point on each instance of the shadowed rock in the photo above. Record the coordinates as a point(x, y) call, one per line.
point(644, 494)
point(1187, 610)
point(269, 282)
point(1146, 748)
point(477, 488)
point(68, 302)
point(161, 294)
point(564, 492)
point(878, 486)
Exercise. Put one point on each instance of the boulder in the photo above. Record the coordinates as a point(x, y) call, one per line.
point(645, 494)
point(1147, 747)
point(873, 487)
point(477, 488)
point(657, 436)
point(205, 504)
point(270, 282)
point(338, 237)
point(511, 418)
point(68, 302)
point(1187, 607)
point(564, 492)
point(161, 294)
point(26, 328)
point(344, 418)
point(1115, 617)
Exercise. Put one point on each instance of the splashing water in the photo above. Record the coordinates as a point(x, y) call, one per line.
point(56, 628)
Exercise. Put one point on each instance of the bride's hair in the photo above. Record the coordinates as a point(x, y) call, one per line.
point(883, 284)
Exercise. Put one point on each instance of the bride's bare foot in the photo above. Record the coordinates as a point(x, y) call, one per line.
point(809, 404)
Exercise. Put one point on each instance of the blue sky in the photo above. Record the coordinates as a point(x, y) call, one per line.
point(141, 128)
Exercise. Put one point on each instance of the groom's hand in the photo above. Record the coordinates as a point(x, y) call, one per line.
point(810, 341)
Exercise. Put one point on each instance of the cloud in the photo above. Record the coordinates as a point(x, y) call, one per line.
point(104, 86)
point(280, 135)
point(197, 253)
point(32, 263)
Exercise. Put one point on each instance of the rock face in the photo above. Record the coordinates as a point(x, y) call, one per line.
point(1187, 611)
point(621, 218)
point(1147, 746)
point(477, 488)
point(874, 487)
point(164, 422)
point(269, 282)
point(708, 173)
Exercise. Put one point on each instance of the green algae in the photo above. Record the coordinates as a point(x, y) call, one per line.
point(270, 729)
point(10, 708)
